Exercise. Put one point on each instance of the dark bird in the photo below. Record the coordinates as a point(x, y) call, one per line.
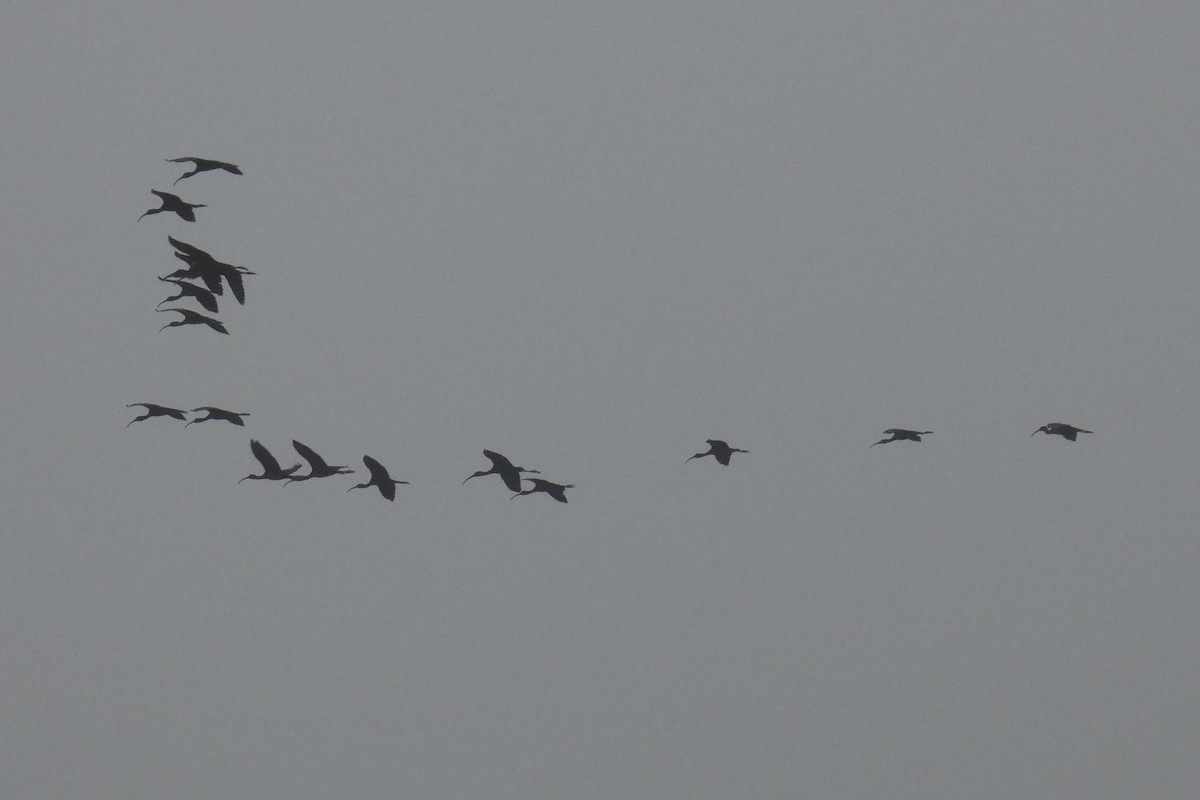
point(153, 410)
point(379, 478)
point(504, 468)
point(271, 469)
point(556, 490)
point(317, 468)
point(718, 450)
point(173, 202)
point(202, 265)
point(1068, 432)
point(212, 412)
point(900, 434)
point(203, 165)
point(203, 296)
point(193, 318)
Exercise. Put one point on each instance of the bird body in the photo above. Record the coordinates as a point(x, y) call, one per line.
point(212, 412)
point(271, 469)
point(511, 475)
point(719, 450)
point(193, 318)
point(902, 434)
point(155, 410)
point(176, 204)
point(203, 165)
point(379, 478)
point(202, 295)
point(1068, 432)
point(556, 490)
point(317, 466)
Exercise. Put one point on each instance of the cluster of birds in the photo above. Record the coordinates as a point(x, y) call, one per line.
point(212, 274)
point(318, 467)
point(203, 279)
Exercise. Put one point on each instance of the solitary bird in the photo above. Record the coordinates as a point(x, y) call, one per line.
point(203, 296)
point(271, 469)
point(317, 468)
point(501, 466)
point(212, 412)
point(718, 450)
point(379, 478)
point(175, 203)
point(203, 165)
point(556, 490)
point(193, 318)
point(1068, 432)
point(154, 410)
point(202, 265)
point(900, 434)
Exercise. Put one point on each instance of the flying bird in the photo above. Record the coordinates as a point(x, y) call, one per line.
point(203, 165)
point(193, 318)
point(504, 468)
point(718, 450)
point(212, 412)
point(379, 478)
point(1068, 432)
point(900, 434)
point(556, 490)
point(271, 469)
point(203, 296)
point(154, 410)
point(202, 265)
point(175, 203)
point(317, 468)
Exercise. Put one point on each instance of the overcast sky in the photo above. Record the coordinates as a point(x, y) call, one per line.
point(591, 236)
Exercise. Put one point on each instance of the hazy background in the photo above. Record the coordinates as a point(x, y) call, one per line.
point(591, 238)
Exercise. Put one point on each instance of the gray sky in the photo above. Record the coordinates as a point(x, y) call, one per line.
point(591, 238)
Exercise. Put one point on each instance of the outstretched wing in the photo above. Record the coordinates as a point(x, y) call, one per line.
point(270, 465)
point(234, 279)
point(498, 461)
point(379, 473)
point(308, 454)
point(189, 249)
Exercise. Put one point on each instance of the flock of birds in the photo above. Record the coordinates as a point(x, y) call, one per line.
point(212, 274)
point(204, 279)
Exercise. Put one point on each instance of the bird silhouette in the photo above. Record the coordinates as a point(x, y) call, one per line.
point(202, 265)
point(501, 466)
point(175, 203)
point(718, 450)
point(271, 469)
point(556, 490)
point(317, 468)
point(203, 165)
point(193, 318)
point(1068, 432)
point(379, 478)
point(212, 412)
point(202, 295)
point(155, 410)
point(900, 434)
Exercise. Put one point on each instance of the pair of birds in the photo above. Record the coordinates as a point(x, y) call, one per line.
point(511, 475)
point(173, 203)
point(1068, 432)
point(318, 468)
point(214, 274)
point(210, 413)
